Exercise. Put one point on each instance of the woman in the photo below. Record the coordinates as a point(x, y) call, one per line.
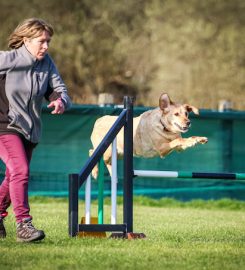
point(27, 74)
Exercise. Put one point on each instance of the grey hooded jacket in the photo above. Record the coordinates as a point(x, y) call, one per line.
point(24, 82)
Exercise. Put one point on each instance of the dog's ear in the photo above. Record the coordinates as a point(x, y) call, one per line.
point(190, 108)
point(164, 102)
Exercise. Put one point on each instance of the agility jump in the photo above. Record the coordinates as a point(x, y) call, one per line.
point(125, 230)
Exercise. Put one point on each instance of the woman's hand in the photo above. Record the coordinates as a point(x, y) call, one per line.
point(58, 105)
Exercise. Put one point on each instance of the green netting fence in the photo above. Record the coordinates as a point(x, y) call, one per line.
point(66, 142)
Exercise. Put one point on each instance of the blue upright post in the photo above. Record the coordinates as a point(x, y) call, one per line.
point(128, 166)
point(73, 204)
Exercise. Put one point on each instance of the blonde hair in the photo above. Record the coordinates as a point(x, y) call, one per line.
point(29, 28)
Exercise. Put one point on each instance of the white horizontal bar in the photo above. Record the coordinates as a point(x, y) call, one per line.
point(166, 174)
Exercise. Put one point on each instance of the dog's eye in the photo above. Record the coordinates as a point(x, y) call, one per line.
point(176, 114)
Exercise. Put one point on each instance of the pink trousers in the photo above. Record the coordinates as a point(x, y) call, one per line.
point(16, 154)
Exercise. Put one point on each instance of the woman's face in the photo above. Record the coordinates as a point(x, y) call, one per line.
point(38, 46)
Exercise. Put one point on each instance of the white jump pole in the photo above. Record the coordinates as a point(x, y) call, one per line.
point(88, 200)
point(143, 173)
point(114, 182)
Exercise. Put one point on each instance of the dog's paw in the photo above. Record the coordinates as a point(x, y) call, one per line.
point(194, 140)
point(201, 140)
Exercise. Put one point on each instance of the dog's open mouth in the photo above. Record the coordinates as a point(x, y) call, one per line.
point(184, 129)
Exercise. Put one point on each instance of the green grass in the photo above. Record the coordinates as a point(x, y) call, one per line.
point(192, 235)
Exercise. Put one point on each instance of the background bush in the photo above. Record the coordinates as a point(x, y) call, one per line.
point(194, 50)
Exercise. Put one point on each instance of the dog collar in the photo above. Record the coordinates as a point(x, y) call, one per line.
point(164, 127)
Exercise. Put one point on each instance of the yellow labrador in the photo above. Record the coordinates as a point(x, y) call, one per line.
point(156, 132)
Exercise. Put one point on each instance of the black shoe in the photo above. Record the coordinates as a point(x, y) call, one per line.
point(26, 232)
point(2, 229)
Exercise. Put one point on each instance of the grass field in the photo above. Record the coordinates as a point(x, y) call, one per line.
point(194, 235)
